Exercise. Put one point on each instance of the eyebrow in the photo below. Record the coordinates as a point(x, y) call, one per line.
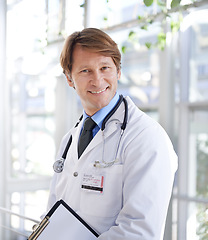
point(102, 63)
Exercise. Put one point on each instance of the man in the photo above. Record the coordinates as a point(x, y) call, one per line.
point(119, 184)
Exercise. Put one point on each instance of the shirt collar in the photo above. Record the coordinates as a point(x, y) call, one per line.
point(99, 116)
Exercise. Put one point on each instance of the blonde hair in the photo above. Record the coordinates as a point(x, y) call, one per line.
point(93, 40)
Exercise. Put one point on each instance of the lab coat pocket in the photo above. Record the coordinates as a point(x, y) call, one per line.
point(107, 203)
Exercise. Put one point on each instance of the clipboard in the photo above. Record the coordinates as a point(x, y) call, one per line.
point(62, 222)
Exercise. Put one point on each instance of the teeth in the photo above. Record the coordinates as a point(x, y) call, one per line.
point(98, 91)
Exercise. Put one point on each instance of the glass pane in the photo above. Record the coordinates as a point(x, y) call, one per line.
point(199, 55)
point(33, 126)
point(54, 19)
point(34, 207)
point(26, 28)
point(198, 164)
point(202, 221)
point(108, 13)
point(197, 224)
point(32, 70)
point(74, 13)
point(140, 67)
point(33, 148)
point(202, 164)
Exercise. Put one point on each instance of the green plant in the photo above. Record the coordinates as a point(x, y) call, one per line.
point(166, 19)
point(202, 187)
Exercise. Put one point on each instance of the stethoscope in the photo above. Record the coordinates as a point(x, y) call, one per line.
point(59, 164)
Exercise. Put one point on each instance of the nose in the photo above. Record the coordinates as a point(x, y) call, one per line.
point(97, 78)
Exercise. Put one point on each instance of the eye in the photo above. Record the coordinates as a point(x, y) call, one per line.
point(84, 71)
point(104, 68)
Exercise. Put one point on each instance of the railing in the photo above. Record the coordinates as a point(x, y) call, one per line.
point(4, 210)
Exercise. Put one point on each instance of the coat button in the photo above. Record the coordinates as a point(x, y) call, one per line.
point(75, 174)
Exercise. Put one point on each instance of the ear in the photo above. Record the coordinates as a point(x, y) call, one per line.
point(69, 80)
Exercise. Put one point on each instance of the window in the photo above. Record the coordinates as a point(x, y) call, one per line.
point(34, 81)
point(171, 86)
point(193, 131)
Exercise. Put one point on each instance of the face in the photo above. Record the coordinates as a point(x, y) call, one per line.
point(94, 78)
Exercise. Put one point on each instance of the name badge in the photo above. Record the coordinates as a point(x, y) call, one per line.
point(92, 183)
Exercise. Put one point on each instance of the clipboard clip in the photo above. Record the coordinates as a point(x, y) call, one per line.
point(38, 229)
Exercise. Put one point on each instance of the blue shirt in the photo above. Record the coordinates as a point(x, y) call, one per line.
point(99, 116)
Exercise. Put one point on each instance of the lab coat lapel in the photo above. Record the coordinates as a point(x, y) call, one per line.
point(75, 137)
point(111, 127)
point(98, 139)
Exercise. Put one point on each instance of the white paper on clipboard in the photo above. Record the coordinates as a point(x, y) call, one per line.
point(65, 224)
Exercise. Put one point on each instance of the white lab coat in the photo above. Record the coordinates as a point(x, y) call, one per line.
point(137, 189)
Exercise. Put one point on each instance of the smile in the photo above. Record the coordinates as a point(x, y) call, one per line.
point(99, 91)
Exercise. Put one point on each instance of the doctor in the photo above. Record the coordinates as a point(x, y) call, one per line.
point(121, 183)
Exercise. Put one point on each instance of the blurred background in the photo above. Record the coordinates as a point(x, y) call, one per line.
point(164, 47)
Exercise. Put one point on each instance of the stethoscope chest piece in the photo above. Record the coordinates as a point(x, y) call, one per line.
point(58, 165)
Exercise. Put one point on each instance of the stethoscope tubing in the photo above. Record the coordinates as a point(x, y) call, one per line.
point(59, 164)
